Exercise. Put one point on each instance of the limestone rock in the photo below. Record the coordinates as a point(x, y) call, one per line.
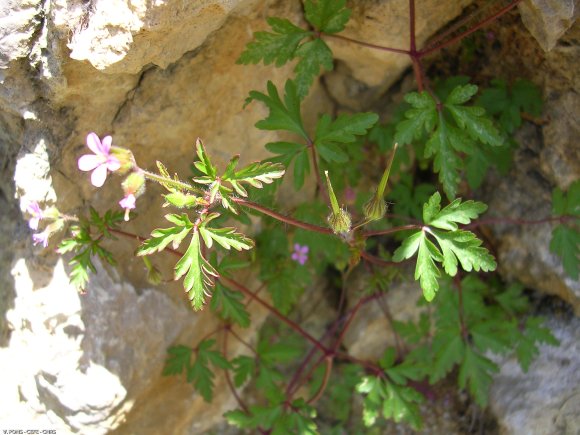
point(545, 400)
point(363, 74)
point(548, 20)
point(370, 332)
point(99, 351)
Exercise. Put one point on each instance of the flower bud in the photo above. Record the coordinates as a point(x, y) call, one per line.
point(125, 158)
point(134, 184)
point(339, 222)
point(375, 208)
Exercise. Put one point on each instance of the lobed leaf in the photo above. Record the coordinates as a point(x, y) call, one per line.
point(329, 16)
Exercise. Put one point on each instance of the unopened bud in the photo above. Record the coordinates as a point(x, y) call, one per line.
point(375, 208)
point(339, 222)
point(134, 184)
point(125, 157)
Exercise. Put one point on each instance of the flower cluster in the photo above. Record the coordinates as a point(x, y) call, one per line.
point(108, 158)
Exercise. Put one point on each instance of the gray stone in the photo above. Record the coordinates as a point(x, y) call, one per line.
point(546, 400)
point(548, 20)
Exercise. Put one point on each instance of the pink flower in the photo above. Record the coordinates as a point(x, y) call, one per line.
point(34, 209)
point(101, 161)
point(41, 238)
point(128, 203)
point(300, 254)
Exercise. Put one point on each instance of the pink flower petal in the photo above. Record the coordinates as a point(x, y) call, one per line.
point(33, 223)
point(88, 162)
point(99, 176)
point(106, 144)
point(304, 250)
point(94, 143)
point(294, 256)
point(113, 163)
point(128, 202)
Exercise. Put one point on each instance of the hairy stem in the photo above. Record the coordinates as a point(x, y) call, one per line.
point(281, 217)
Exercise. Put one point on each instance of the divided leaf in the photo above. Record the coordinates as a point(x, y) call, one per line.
point(229, 305)
point(566, 237)
point(314, 55)
point(328, 16)
point(284, 115)
point(279, 46)
point(162, 237)
point(254, 174)
point(198, 273)
point(454, 244)
point(343, 130)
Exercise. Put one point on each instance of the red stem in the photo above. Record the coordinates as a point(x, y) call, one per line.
point(392, 230)
point(321, 187)
point(516, 221)
point(241, 340)
point(227, 375)
point(366, 44)
point(468, 32)
point(329, 360)
point(281, 217)
point(277, 313)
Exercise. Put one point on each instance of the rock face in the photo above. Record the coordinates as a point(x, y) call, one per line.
point(156, 75)
point(548, 20)
point(545, 400)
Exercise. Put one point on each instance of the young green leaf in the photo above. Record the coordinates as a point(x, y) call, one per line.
point(226, 237)
point(162, 237)
point(328, 16)
point(204, 164)
point(198, 273)
point(475, 372)
point(279, 46)
point(454, 213)
point(244, 368)
point(254, 174)
point(284, 115)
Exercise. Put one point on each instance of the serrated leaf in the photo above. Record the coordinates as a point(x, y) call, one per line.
point(283, 115)
point(329, 16)
point(565, 243)
point(229, 305)
point(178, 360)
point(475, 372)
point(472, 118)
point(454, 213)
point(199, 372)
point(254, 174)
point(448, 349)
point(204, 163)
point(343, 130)
point(226, 237)
point(198, 273)
point(426, 270)
point(466, 247)
point(422, 117)
point(161, 237)
point(314, 55)
point(279, 46)
point(244, 367)
point(301, 168)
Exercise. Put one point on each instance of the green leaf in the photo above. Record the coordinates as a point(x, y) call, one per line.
point(254, 174)
point(472, 119)
point(534, 332)
point(301, 168)
point(328, 16)
point(226, 237)
point(476, 371)
point(454, 213)
point(448, 350)
point(199, 372)
point(244, 368)
point(343, 130)
point(284, 115)
point(229, 305)
point(279, 46)
point(314, 55)
point(284, 147)
point(565, 244)
point(422, 117)
point(466, 247)
point(198, 273)
point(273, 353)
point(178, 360)
point(204, 164)
point(161, 237)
